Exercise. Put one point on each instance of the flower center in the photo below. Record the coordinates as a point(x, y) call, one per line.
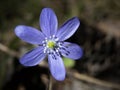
point(51, 44)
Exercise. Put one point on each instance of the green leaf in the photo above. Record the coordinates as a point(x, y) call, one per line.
point(69, 63)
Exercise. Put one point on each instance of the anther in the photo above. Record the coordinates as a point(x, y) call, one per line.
point(45, 38)
point(53, 36)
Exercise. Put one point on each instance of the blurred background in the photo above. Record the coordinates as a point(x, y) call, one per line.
point(98, 35)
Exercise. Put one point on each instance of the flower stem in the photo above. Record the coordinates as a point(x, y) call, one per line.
point(49, 87)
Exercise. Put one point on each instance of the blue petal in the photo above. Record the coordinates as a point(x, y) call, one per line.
point(71, 50)
point(68, 29)
point(48, 22)
point(56, 67)
point(29, 34)
point(33, 57)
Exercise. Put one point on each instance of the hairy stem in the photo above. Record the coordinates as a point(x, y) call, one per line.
point(49, 87)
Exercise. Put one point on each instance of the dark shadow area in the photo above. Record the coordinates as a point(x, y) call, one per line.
point(28, 78)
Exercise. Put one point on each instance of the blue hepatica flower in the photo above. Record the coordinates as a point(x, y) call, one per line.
point(50, 42)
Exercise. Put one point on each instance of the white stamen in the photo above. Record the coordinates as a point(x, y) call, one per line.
point(53, 36)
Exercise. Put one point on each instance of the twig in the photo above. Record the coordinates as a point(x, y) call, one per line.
point(8, 51)
point(93, 80)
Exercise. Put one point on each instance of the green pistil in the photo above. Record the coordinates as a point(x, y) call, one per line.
point(51, 44)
